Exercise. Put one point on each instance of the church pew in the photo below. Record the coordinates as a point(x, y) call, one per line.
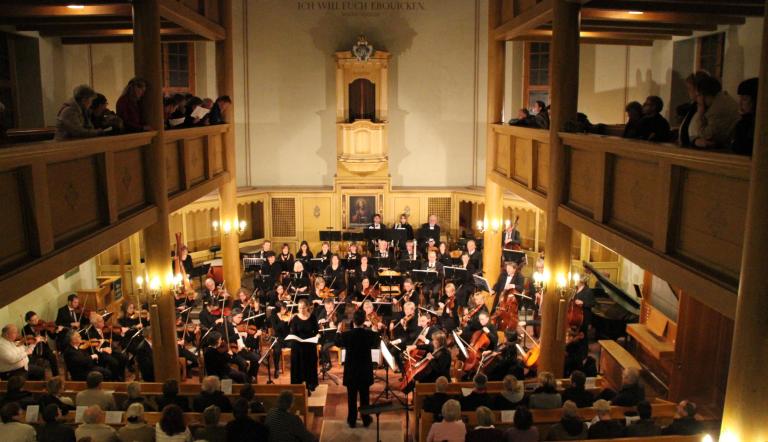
point(192, 419)
point(662, 412)
point(613, 360)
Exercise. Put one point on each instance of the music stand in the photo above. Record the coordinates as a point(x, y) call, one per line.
point(267, 356)
point(455, 273)
point(330, 236)
point(351, 236)
point(372, 236)
point(408, 265)
point(481, 284)
point(398, 237)
point(424, 276)
point(516, 256)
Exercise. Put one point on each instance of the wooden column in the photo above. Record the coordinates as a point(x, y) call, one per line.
point(225, 67)
point(494, 209)
point(745, 417)
point(564, 92)
point(157, 242)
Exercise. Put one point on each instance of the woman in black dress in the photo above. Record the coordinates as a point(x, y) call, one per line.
point(443, 256)
point(364, 271)
point(304, 254)
point(304, 355)
point(285, 258)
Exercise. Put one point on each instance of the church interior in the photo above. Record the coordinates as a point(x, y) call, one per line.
point(542, 218)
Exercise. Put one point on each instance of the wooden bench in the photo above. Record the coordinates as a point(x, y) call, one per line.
point(662, 412)
point(613, 360)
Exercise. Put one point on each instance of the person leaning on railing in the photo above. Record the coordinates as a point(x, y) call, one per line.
point(73, 119)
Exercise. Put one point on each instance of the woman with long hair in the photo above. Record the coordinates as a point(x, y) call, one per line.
point(128, 106)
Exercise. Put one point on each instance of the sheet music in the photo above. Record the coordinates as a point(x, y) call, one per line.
point(312, 340)
point(226, 386)
point(507, 416)
point(113, 418)
point(79, 414)
point(33, 411)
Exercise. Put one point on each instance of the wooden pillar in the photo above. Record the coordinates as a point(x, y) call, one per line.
point(225, 67)
point(494, 209)
point(564, 93)
point(745, 416)
point(147, 64)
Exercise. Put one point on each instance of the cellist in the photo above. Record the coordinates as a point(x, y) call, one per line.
point(511, 280)
point(439, 361)
point(404, 329)
point(482, 323)
point(475, 307)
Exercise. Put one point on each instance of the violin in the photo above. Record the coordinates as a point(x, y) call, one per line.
point(468, 316)
point(250, 329)
point(375, 320)
point(371, 291)
point(325, 293)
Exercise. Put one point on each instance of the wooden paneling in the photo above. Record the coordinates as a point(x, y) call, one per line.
point(216, 154)
point(629, 198)
point(316, 217)
point(521, 164)
point(172, 167)
point(581, 180)
point(129, 175)
point(541, 153)
point(76, 207)
point(194, 173)
point(16, 239)
point(503, 154)
point(521, 160)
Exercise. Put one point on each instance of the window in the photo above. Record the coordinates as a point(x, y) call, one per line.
point(710, 54)
point(536, 81)
point(178, 68)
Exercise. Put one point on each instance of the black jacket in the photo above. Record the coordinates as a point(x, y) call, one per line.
point(629, 396)
point(246, 429)
point(605, 430)
point(580, 396)
point(643, 427)
point(425, 233)
point(205, 399)
point(683, 427)
point(79, 363)
point(358, 367)
point(55, 432)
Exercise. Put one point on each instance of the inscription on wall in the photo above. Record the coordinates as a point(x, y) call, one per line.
point(360, 7)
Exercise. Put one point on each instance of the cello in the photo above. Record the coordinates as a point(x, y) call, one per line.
point(506, 314)
point(477, 345)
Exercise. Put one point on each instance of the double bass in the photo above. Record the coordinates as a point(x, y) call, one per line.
point(506, 314)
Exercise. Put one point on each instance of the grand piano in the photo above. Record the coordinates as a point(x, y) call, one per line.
point(615, 308)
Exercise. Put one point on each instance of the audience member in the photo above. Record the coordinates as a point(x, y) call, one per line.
point(604, 427)
point(645, 426)
point(577, 391)
point(523, 118)
point(211, 430)
point(631, 392)
point(685, 422)
point(546, 395)
point(102, 117)
point(484, 431)
point(522, 429)
point(434, 403)
point(570, 426)
point(479, 395)
point(15, 393)
point(541, 115)
point(634, 112)
point(171, 427)
point(452, 428)
point(14, 360)
point(211, 394)
point(686, 111)
point(53, 396)
point(93, 426)
point(216, 116)
point(13, 430)
point(284, 426)
point(135, 428)
point(512, 393)
point(189, 119)
point(744, 132)
point(243, 427)
point(72, 120)
point(52, 429)
point(171, 396)
point(716, 115)
point(129, 106)
point(653, 127)
point(133, 391)
point(94, 395)
point(249, 395)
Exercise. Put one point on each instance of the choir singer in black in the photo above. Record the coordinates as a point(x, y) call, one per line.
point(358, 366)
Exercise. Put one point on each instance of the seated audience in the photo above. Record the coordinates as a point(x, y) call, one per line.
point(133, 391)
point(189, 119)
point(522, 429)
point(243, 427)
point(434, 403)
point(546, 395)
point(72, 120)
point(540, 115)
point(15, 393)
point(685, 422)
point(484, 431)
point(171, 396)
point(14, 360)
point(452, 428)
point(479, 396)
point(284, 426)
point(249, 395)
point(645, 426)
point(634, 112)
point(135, 428)
point(171, 427)
point(570, 426)
point(12, 429)
point(93, 426)
point(216, 116)
point(103, 118)
point(653, 127)
point(577, 391)
point(687, 110)
point(744, 132)
point(129, 106)
point(52, 429)
point(716, 115)
point(631, 392)
point(511, 395)
point(604, 427)
point(211, 394)
point(211, 430)
point(523, 118)
point(94, 395)
point(53, 396)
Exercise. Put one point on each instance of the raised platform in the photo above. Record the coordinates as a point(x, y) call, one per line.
point(339, 431)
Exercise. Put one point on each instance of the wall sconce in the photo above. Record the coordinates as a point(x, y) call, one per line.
point(494, 225)
point(228, 226)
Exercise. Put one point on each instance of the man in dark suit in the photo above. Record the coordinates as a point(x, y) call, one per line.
point(430, 230)
point(510, 239)
point(375, 232)
point(475, 256)
point(358, 367)
point(511, 279)
point(67, 316)
point(432, 290)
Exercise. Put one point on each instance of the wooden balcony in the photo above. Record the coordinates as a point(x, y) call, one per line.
point(522, 161)
point(65, 202)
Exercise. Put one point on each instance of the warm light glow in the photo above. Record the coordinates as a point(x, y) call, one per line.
point(169, 279)
point(215, 225)
point(139, 281)
point(707, 438)
point(155, 284)
point(507, 223)
point(226, 227)
point(537, 277)
point(479, 225)
point(576, 278)
point(76, 6)
point(727, 436)
point(635, 12)
point(495, 225)
point(177, 279)
point(242, 225)
point(560, 280)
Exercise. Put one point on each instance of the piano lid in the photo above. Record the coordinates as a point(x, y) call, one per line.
point(630, 303)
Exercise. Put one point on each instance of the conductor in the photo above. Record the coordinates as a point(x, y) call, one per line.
point(358, 366)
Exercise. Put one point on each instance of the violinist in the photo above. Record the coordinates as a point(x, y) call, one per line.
point(334, 276)
point(507, 359)
point(278, 322)
point(449, 319)
point(242, 299)
point(208, 319)
point(475, 256)
point(511, 281)
point(402, 224)
point(246, 357)
point(79, 360)
point(409, 293)
point(303, 354)
point(404, 330)
point(130, 317)
point(365, 292)
point(439, 360)
point(254, 308)
point(410, 253)
point(70, 316)
point(466, 285)
point(364, 271)
point(14, 359)
point(278, 294)
point(218, 360)
point(328, 318)
point(320, 292)
point(475, 307)
point(285, 259)
point(212, 294)
point(184, 302)
point(36, 329)
point(372, 320)
point(299, 279)
point(101, 344)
